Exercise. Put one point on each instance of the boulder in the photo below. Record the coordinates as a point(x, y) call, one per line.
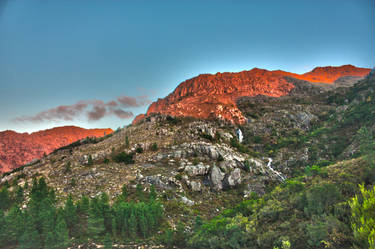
point(196, 186)
point(216, 178)
point(234, 177)
point(196, 170)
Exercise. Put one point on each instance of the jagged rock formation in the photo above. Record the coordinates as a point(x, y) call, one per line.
point(214, 96)
point(17, 149)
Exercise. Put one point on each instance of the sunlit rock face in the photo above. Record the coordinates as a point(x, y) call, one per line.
point(331, 74)
point(213, 96)
point(17, 149)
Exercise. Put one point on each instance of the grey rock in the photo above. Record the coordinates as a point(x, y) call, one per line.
point(187, 201)
point(196, 170)
point(234, 177)
point(196, 186)
point(216, 178)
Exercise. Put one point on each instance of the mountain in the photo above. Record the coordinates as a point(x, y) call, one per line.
point(17, 149)
point(214, 96)
point(182, 182)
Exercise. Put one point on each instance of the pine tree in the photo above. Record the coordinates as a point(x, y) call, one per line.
point(127, 142)
point(62, 234)
point(139, 191)
point(90, 161)
point(4, 198)
point(2, 229)
point(14, 224)
point(152, 193)
point(95, 223)
point(26, 186)
point(45, 218)
point(70, 215)
point(50, 240)
point(124, 193)
point(143, 226)
point(83, 208)
point(30, 238)
point(198, 223)
point(18, 198)
point(105, 210)
point(133, 225)
point(107, 241)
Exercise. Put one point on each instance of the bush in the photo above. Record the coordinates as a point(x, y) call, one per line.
point(321, 199)
point(315, 170)
point(154, 147)
point(123, 157)
point(139, 150)
point(363, 218)
point(294, 186)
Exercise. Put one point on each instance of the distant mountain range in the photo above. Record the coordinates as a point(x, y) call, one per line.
point(17, 149)
point(215, 95)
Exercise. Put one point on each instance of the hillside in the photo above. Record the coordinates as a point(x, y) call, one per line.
point(17, 149)
point(214, 96)
point(184, 182)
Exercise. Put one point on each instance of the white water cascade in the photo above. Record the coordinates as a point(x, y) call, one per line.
point(274, 171)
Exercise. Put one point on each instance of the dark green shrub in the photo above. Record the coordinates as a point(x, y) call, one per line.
point(321, 199)
point(154, 147)
point(123, 157)
point(90, 161)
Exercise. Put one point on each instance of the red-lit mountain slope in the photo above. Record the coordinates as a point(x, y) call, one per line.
point(17, 149)
point(214, 96)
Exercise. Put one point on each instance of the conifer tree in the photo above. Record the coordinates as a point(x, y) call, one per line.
point(90, 161)
point(127, 142)
point(152, 193)
point(14, 224)
point(95, 222)
point(107, 241)
point(198, 223)
point(18, 198)
point(30, 238)
point(70, 215)
point(2, 229)
point(50, 240)
point(143, 226)
point(105, 211)
point(62, 234)
point(124, 193)
point(139, 191)
point(4, 198)
point(133, 225)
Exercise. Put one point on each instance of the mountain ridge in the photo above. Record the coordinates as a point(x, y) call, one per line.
point(17, 149)
point(214, 95)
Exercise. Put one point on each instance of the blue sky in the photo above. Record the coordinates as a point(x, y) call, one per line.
point(60, 53)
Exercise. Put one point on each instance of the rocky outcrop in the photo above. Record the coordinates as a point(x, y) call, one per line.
point(216, 178)
point(213, 96)
point(17, 149)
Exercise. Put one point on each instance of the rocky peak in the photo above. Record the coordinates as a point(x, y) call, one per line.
point(214, 96)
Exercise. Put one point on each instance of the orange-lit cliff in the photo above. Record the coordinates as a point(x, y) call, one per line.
point(214, 96)
point(17, 149)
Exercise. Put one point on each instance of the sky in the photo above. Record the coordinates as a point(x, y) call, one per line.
point(97, 64)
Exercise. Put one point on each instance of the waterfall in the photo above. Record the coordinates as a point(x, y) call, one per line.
point(274, 171)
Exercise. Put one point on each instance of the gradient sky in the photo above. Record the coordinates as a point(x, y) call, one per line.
point(56, 53)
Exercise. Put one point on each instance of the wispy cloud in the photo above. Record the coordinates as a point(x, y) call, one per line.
point(93, 110)
point(127, 101)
